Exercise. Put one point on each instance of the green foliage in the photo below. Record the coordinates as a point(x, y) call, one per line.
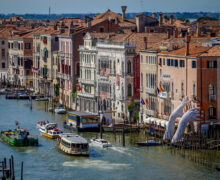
point(56, 89)
point(206, 18)
point(133, 106)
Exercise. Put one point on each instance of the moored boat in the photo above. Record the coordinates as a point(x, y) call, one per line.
point(149, 143)
point(42, 99)
point(49, 130)
point(60, 110)
point(18, 137)
point(100, 143)
point(82, 121)
point(73, 144)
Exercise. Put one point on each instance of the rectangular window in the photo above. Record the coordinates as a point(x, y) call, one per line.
point(3, 65)
point(193, 64)
point(141, 59)
point(168, 62)
point(182, 63)
point(146, 59)
point(211, 64)
point(3, 53)
point(27, 45)
point(176, 63)
point(163, 61)
point(172, 62)
point(160, 63)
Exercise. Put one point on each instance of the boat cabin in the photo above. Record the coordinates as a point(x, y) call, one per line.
point(82, 120)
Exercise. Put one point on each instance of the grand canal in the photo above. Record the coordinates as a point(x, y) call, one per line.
point(131, 162)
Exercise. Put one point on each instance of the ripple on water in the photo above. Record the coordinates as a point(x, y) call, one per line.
point(96, 164)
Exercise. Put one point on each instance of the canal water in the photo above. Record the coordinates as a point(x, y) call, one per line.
point(45, 162)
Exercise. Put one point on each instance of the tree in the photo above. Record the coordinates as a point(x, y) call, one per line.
point(134, 111)
point(56, 89)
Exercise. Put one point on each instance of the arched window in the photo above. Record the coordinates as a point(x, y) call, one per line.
point(212, 92)
point(129, 90)
point(212, 112)
point(194, 89)
point(129, 67)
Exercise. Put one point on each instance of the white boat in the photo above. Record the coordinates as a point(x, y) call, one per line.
point(60, 110)
point(73, 144)
point(49, 130)
point(42, 99)
point(100, 142)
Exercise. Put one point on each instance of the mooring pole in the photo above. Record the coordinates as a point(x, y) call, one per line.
point(22, 170)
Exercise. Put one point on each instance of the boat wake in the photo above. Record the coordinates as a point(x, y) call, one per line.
point(95, 164)
point(122, 150)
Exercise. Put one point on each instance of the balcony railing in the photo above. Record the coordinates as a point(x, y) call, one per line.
point(150, 90)
point(86, 81)
point(212, 97)
point(89, 95)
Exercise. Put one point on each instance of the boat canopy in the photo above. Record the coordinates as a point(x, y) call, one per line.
point(156, 121)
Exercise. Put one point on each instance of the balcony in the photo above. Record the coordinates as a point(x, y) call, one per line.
point(150, 90)
point(212, 97)
point(63, 76)
point(86, 81)
point(83, 94)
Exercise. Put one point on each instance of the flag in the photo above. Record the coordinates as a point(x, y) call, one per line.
point(79, 88)
point(161, 89)
point(146, 101)
point(74, 94)
point(142, 101)
point(158, 91)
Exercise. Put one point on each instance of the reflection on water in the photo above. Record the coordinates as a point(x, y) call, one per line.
point(130, 162)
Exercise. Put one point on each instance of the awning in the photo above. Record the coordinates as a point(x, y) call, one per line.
point(161, 122)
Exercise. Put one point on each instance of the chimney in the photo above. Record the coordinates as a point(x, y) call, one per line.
point(71, 28)
point(171, 19)
point(89, 23)
point(123, 8)
point(176, 33)
point(187, 45)
point(197, 29)
point(165, 19)
point(160, 19)
point(145, 42)
point(55, 26)
point(154, 15)
point(62, 27)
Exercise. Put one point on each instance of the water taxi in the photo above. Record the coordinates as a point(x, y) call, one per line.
point(49, 130)
point(18, 137)
point(60, 110)
point(100, 143)
point(82, 121)
point(73, 144)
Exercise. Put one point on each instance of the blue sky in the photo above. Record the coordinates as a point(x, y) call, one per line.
point(96, 6)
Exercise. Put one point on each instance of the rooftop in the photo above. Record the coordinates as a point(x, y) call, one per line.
point(73, 138)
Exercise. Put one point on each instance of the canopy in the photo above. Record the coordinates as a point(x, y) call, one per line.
point(161, 122)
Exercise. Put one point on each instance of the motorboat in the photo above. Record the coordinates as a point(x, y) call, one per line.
point(100, 142)
point(73, 144)
point(49, 130)
point(19, 137)
point(149, 143)
point(60, 110)
point(42, 99)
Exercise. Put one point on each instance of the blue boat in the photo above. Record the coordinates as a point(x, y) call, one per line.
point(149, 143)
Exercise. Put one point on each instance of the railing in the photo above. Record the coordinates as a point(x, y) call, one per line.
point(89, 95)
point(212, 97)
point(150, 90)
point(86, 81)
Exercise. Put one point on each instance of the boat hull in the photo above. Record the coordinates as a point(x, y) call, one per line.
point(67, 151)
point(148, 144)
point(18, 142)
point(49, 135)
